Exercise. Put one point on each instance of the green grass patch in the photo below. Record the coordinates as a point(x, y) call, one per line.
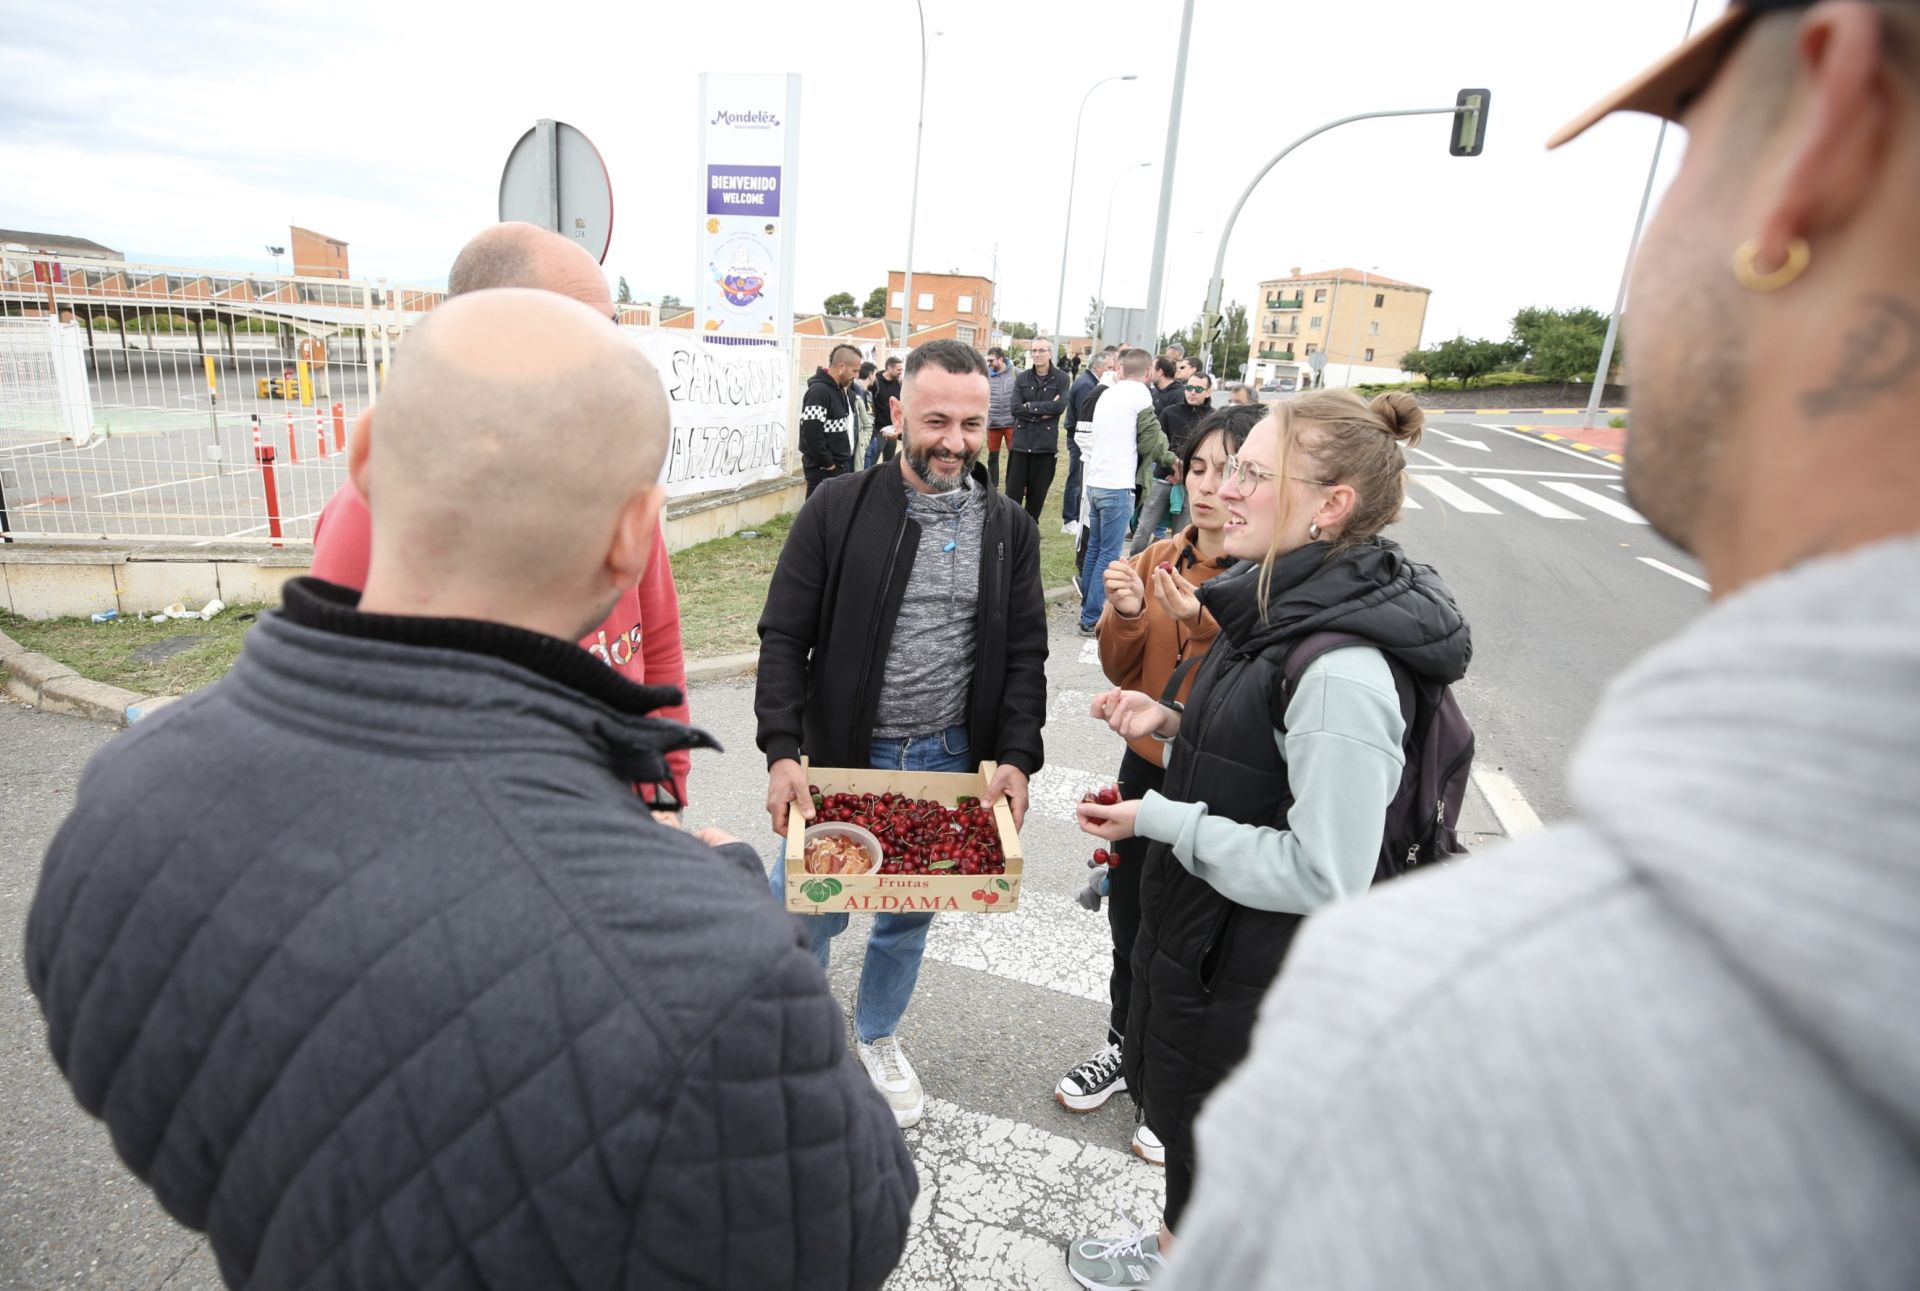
point(723, 583)
point(105, 651)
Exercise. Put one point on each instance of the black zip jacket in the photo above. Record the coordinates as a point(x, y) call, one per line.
point(884, 393)
point(826, 426)
point(828, 624)
point(1037, 404)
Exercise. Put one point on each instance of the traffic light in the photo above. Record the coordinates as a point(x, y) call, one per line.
point(1469, 122)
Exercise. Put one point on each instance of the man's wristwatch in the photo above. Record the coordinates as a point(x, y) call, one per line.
point(1177, 707)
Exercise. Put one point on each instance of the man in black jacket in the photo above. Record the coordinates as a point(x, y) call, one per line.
point(826, 419)
point(459, 1013)
point(886, 389)
point(1039, 397)
point(905, 630)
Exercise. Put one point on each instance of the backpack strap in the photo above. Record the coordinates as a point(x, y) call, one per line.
point(1301, 655)
point(1180, 670)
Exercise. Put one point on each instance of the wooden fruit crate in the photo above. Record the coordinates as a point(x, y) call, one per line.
point(904, 893)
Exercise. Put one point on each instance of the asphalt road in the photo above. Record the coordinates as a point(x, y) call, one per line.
point(1549, 564)
point(1006, 1004)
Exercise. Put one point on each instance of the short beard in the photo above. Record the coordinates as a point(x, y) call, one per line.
point(921, 460)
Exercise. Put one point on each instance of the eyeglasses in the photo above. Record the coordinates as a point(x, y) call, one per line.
point(1195, 389)
point(1249, 477)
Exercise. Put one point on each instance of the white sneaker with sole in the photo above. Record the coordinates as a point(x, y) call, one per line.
point(1148, 1147)
point(1092, 1083)
point(892, 1075)
point(1127, 1262)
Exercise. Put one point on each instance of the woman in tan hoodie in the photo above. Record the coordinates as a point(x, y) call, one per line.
point(1152, 626)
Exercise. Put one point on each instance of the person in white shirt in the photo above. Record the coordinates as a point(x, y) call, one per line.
point(1123, 434)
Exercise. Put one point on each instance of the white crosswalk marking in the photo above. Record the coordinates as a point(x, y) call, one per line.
point(1618, 488)
point(1410, 503)
point(1050, 942)
point(1531, 501)
point(1598, 501)
point(1454, 496)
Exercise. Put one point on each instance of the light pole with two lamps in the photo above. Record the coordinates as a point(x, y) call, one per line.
point(1066, 234)
point(1108, 241)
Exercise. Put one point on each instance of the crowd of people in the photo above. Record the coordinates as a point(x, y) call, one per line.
point(476, 1008)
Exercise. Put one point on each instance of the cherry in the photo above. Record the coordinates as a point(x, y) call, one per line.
point(1108, 796)
point(1165, 567)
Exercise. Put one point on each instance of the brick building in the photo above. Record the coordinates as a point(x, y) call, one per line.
point(315, 255)
point(945, 306)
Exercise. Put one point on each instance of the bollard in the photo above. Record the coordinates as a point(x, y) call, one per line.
point(263, 454)
point(339, 428)
point(293, 447)
point(320, 430)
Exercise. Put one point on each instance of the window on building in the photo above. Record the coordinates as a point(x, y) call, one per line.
point(1379, 299)
point(1293, 325)
point(1312, 348)
point(1373, 329)
point(1315, 324)
point(1320, 296)
point(1369, 356)
point(966, 334)
point(923, 301)
point(899, 298)
point(964, 305)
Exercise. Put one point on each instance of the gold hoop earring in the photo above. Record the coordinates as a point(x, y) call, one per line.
point(1799, 256)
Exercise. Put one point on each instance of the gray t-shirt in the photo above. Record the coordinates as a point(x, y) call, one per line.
point(930, 662)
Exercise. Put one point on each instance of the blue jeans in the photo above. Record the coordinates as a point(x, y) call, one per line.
point(1070, 504)
point(1109, 510)
point(897, 941)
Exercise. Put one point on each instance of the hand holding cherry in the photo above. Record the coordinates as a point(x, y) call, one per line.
point(1104, 814)
point(1131, 714)
point(1176, 595)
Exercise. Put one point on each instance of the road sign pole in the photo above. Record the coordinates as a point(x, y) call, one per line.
point(1158, 268)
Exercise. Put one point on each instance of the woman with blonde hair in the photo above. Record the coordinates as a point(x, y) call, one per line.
point(1276, 793)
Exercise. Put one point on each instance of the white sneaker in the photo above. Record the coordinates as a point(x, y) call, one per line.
point(1148, 1147)
point(1127, 1262)
point(1071, 528)
point(893, 1076)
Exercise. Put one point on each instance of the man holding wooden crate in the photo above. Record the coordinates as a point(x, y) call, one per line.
point(905, 630)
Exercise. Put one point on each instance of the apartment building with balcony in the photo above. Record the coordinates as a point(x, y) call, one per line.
point(1361, 320)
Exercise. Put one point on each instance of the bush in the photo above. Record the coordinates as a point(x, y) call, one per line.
point(1618, 423)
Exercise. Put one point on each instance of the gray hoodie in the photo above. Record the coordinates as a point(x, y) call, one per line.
point(1000, 396)
point(1676, 1044)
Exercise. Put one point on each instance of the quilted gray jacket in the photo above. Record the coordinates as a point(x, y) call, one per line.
point(380, 974)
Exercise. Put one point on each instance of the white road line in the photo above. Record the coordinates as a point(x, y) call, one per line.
point(1477, 471)
point(1618, 488)
point(1541, 443)
point(1051, 942)
point(1509, 805)
point(1598, 501)
point(148, 488)
point(1464, 443)
point(1090, 651)
point(1056, 791)
point(1409, 504)
point(1531, 501)
point(1680, 574)
point(1000, 1199)
point(262, 528)
point(1442, 463)
point(1455, 496)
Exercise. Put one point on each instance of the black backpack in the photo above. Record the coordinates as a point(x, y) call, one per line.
point(1423, 819)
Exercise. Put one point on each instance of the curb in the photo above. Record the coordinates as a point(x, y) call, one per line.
point(1567, 441)
point(1526, 412)
point(50, 686)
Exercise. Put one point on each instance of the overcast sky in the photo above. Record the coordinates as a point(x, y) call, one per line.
point(198, 134)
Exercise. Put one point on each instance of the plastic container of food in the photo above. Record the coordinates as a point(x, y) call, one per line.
point(858, 835)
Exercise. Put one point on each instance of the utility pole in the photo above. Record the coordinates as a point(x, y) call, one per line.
point(913, 204)
point(1166, 175)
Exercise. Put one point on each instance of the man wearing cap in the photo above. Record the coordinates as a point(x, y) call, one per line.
point(1671, 1043)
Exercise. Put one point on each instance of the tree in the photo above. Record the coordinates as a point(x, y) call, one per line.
point(671, 301)
point(1466, 360)
point(841, 304)
point(876, 306)
point(623, 296)
point(1095, 308)
point(1018, 331)
point(1565, 351)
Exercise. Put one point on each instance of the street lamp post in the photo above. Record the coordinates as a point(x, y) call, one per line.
point(1066, 234)
point(1108, 241)
point(1363, 304)
point(913, 203)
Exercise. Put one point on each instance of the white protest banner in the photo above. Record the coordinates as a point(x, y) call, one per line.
point(729, 410)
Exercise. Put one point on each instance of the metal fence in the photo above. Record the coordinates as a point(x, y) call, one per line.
point(158, 404)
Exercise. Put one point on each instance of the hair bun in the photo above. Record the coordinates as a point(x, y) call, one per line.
point(1402, 415)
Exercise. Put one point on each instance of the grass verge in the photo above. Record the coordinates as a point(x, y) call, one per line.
point(105, 651)
point(722, 584)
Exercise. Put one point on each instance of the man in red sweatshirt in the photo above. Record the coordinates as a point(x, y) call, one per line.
point(640, 639)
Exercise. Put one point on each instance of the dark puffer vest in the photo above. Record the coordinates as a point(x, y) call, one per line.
point(1203, 963)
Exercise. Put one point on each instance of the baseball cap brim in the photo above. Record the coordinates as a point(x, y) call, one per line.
point(1669, 85)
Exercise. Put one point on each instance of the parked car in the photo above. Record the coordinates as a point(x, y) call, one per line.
point(1279, 385)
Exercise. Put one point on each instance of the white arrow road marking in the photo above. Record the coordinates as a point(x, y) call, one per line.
point(1455, 439)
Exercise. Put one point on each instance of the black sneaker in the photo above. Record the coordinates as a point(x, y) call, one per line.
point(1092, 1083)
